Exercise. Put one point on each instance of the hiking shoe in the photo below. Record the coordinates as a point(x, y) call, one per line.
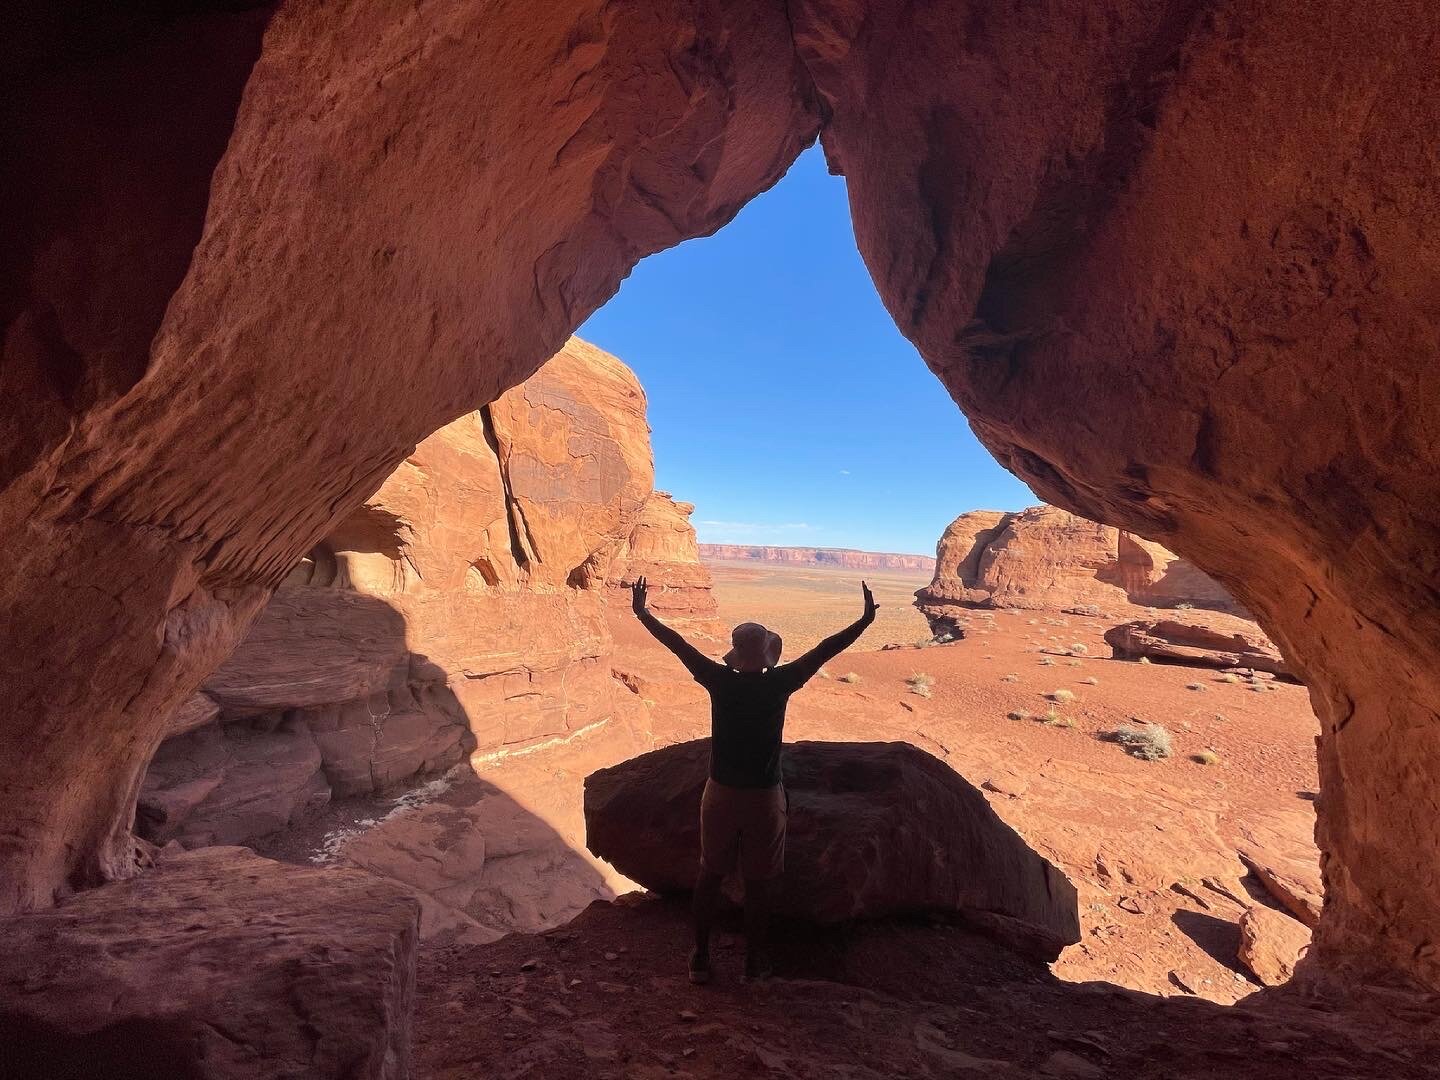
point(699, 969)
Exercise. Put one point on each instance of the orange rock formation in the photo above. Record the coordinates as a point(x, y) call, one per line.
point(661, 548)
point(1046, 558)
point(1173, 261)
point(461, 608)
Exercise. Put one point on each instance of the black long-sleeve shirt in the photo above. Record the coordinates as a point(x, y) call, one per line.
point(747, 708)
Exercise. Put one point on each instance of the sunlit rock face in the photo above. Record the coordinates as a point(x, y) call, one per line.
point(1044, 558)
point(250, 275)
point(1174, 261)
point(449, 614)
point(662, 549)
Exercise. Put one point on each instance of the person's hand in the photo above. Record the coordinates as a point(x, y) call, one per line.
point(637, 596)
point(870, 606)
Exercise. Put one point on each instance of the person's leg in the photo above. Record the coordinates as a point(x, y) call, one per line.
point(703, 907)
point(719, 845)
point(758, 900)
point(762, 858)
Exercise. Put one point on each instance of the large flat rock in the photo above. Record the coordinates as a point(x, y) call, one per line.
point(875, 829)
point(1198, 638)
point(215, 964)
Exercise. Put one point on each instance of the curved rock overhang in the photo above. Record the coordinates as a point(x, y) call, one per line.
point(1175, 259)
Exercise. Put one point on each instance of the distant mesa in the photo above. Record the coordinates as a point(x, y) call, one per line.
point(845, 558)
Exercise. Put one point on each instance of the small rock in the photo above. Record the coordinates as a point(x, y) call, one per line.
point(687, 1052)
point(1177, 981)
point(1271, 943)
point(687, 1014)
point(612, 956)
point(529, 965)
point(1133, 904)
point(575, 982)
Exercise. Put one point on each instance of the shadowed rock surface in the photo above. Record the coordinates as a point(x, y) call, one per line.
point(217, 964)
point(874, 829)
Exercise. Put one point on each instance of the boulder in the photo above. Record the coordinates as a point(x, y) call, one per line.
point(1045, 558)
point(874, 829)
point(1199, 638)
point(1293, 879)
point(216, 964)
point(1271, 943)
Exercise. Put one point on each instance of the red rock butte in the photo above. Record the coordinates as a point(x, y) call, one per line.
point(1176, 263)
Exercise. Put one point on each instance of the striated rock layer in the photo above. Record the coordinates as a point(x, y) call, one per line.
point(1203, 639)
point(1174, 261)
point(258, 257)
point(661, 548)
point(874, 829)
point(845, 558)
point(215, 965)
point(461, 608)
point(1046, 558)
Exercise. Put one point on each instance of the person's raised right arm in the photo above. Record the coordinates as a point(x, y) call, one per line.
point(697, 663)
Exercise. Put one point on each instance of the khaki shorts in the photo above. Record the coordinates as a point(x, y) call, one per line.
point(748, 823)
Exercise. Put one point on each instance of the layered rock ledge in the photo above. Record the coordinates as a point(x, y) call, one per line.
point(214, 965)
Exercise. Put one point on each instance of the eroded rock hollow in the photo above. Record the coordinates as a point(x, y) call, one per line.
point(1175, 260)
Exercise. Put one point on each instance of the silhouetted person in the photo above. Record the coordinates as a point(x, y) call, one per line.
point(742, 814)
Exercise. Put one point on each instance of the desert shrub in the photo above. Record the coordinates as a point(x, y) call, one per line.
point(924, 643)
point(1079, 647)
point(1148, 742)
point(1012, 677)
point(850, 677)
point(1017, 714)
point(1258, 687)
point(1090, 680)
point(1045, 661)
point(1052, 718)
point(1144, 660)
point(1231, 678)
point(1201, 687)
point(1206, 757)
point(1062, 695)
point(921, 691)
point(824, 674)
point(944, 638)
point(1072, 663)
point(920, 683)
point(1184, 605)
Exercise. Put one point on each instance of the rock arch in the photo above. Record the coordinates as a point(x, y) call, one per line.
point(1175, 259)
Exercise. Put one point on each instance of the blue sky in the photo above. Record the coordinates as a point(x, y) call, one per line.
point(784, 403)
